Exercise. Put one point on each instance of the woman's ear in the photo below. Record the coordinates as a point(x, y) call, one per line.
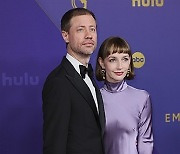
point(65, 36)
point(101, 62)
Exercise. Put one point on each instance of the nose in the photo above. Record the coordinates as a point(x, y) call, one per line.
point(119, 65)
point(88, 34)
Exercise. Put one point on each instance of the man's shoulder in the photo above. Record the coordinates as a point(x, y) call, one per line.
point(60, 70)
point(58, 73)
point(56, 79)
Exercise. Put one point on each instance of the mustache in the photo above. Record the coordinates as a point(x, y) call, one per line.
point(88, 42)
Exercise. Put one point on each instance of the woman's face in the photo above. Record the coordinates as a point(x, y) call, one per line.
point(116, 66)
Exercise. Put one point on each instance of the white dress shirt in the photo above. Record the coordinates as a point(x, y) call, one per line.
point(87, 80)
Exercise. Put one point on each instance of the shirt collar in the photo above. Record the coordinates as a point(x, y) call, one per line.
point(74, 62)
point(115, 87)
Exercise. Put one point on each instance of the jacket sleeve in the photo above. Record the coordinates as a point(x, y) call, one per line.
point(56, 116)
point(145, 136)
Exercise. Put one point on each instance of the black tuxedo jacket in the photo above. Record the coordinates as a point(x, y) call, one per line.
point(72, 124)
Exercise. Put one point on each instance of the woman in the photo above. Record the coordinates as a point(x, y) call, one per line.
point(128, 110)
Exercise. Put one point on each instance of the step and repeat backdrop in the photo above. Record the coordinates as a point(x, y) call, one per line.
point(31, 46)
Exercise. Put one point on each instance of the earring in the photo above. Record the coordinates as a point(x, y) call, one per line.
point(103, 73)
point(128, 72)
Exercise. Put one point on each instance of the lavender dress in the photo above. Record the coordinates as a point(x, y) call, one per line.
point(128, 119)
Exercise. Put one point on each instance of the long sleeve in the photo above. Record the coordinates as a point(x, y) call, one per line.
point(145, 136)
point(56, 114)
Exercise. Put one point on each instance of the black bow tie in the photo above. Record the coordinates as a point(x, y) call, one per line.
point(84, 70)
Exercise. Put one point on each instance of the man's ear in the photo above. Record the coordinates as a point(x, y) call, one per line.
point(101, 62)
point(65, 36)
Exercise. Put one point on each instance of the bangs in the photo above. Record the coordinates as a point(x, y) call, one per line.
point(119, 47)
point(114, 45)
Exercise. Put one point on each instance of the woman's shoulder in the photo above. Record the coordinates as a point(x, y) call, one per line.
point(138, 91)
point(139, 95)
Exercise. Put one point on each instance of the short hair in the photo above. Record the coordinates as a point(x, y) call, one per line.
point(65, 20)
point(113, 45)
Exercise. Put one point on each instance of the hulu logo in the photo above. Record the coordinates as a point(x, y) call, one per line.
point(24, 80)
point(148, 3)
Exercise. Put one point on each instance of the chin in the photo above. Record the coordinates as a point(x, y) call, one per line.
point(119, 79)
point(88, 52)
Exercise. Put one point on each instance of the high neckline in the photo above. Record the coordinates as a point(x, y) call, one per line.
point(115, 87)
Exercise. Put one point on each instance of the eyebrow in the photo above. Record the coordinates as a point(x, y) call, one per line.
point(126, 56)
point(92, 26)
point(85, 26)
point(80, 26)
point(111, 56)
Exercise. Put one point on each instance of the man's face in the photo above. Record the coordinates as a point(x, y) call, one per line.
point(82, 35)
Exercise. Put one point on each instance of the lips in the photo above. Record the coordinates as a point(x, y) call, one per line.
point(88, 43)
point(118, 73)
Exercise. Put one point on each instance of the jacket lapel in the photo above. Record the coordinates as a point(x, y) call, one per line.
point(80, 85)
point(100, 106)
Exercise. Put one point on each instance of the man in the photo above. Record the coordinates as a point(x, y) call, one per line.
point(72, 105)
